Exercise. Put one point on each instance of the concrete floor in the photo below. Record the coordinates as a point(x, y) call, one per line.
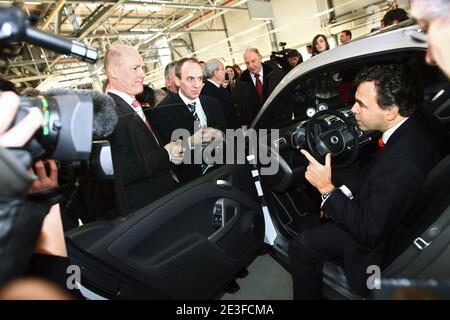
point(267, 280)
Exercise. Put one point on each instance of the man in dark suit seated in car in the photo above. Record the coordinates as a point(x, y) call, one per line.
point(388, 98)
point(141, 159)
point(200, 116)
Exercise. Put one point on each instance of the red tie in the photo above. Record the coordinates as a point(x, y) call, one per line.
point(380, 145)
point(137, 104)
point(259, 86)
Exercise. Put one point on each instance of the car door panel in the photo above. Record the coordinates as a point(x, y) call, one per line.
point(173, 246)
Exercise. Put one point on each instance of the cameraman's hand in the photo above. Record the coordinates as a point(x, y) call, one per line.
point(51, 239)
point(44, 182)
point(18, 135)
point(176, 151)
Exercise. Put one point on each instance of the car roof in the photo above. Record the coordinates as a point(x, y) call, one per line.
point(405, 38)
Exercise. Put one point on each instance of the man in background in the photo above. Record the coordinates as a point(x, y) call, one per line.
point(201, 116)
point(394, 16)
point(345, 36)
point(169, 75)
point(215, 77)
point(294, 58)
point(262, 81)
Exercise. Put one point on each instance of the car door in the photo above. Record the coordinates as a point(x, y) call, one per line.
point(189, 244)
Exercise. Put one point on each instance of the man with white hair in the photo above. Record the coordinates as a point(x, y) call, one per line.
point(215, 77)
point(169, 75)
point(433, 16)
point(262, 80)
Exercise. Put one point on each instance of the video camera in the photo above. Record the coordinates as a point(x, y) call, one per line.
point(71, 118)
point(281, 56)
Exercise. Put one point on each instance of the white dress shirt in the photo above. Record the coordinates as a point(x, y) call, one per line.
point(261, 76)
point(388, 133)
point(128, 99)
point(198, 108)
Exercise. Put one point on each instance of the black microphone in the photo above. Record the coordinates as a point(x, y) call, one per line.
point(15, 26)
point(60, 44)
point(105, 116)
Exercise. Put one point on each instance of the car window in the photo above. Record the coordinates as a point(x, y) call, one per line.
point(332, 88)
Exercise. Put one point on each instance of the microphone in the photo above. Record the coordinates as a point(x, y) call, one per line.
point(105, 116)
point(60, 44)
point(15, 26)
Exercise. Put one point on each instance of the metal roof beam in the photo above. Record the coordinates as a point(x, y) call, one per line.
point(167, 4)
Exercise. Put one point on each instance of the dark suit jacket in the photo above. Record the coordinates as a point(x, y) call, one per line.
point(271, 79)
point(173, 114)
point(139, 159)
point(226, 101)
point(384, 197)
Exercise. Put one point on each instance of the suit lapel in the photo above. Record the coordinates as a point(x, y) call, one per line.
point(125, 110)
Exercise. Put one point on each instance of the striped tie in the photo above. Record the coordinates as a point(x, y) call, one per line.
point(191, 107)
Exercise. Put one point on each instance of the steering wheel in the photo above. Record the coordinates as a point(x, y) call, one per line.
point(333, 141)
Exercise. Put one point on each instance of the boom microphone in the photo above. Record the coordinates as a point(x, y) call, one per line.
point(15, 27)
point(105, 116)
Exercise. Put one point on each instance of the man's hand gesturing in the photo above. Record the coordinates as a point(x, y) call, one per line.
point(317, 174)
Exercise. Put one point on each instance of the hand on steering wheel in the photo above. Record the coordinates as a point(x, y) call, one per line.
point(332, 141)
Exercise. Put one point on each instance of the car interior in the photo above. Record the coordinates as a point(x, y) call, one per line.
point(315, 108)
point(192, 242)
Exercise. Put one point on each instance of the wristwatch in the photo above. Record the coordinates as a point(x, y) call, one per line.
point(326, 195)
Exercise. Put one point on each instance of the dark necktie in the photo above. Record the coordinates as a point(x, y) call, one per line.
point(380, 145)
point(191, 107)
point(259, 86)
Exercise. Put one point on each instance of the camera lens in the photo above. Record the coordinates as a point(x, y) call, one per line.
point(64, 135)
point(47, 136)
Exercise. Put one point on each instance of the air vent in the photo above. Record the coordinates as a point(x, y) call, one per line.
point(280, 142)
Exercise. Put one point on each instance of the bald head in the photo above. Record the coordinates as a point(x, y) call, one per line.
point(124, 68)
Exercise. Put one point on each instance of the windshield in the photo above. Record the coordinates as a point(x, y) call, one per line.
point(332, 88)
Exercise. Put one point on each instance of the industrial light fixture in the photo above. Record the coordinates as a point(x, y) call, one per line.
point(145, 30)
point(153, 7)
point(142, 7)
